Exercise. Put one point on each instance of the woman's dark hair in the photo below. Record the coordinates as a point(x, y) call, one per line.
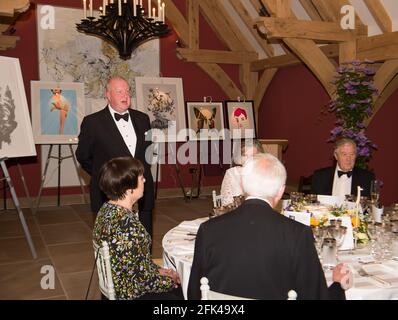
point(118, 175)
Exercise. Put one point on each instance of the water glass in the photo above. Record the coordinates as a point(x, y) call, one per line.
point(329, 253)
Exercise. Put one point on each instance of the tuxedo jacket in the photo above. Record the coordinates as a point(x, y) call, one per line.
point(255, 252)
point(100, 141)
point(322, 181)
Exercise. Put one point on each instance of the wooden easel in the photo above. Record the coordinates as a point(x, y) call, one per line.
point(59, 158)
point(18, 207)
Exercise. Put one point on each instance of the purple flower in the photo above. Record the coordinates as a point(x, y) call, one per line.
point(352, 106)
point(369, 72)
point(352, 92)
point(364, 152)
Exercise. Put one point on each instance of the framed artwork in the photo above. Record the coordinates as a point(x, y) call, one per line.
point(205, 120)
point(16, 138)
point(57, 111)
point(240, 119)
point(163, 100)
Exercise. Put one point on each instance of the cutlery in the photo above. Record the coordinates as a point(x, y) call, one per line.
point(363, 273)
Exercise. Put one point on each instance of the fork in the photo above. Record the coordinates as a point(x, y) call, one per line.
point(363, 273)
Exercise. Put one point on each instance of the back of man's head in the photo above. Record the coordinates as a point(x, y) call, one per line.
point(263, 176)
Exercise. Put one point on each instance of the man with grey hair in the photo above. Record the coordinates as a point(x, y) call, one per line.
point(254, 251)
point(344, 177)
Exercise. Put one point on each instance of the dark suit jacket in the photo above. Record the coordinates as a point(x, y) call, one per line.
point(256, 252)
point(100, 141)
point(322, 181)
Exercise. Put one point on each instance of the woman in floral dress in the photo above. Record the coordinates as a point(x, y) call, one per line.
point(135, 276)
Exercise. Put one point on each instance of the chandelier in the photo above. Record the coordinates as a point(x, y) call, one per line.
point(124, 24)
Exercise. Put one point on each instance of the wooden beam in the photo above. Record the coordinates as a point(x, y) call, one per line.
point(222, 79)
point(248, 80)
point(10, 7)
point(325, 10)
point(311, 10)
point(216, 56)
point(388, 91)
point(331, 51)
point(246, 17)
point(314, 30)
point(8, 42)
point(315, 59)
point(283, 8)
point(385, 74)
point(193, 22)
point(380, 14)
point(222, 26)
point(178, 21)
point(347, 51)
point(262, 87)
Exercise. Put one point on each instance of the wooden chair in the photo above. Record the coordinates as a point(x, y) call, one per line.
point(208, 294)
point(217, 203)
point(104, 270)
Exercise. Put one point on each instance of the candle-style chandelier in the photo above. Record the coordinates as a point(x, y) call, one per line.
point(124, 24)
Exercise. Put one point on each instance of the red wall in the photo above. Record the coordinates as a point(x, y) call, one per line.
point(291, 109)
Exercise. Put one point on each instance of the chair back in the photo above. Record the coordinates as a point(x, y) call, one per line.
point(305, 184)
point(104, 270)
point(217, 203)
point(208, 294)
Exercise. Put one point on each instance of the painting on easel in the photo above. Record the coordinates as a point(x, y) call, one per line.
point(16, 139)
point(57, 111)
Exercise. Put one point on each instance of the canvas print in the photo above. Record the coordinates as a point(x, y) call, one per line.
point(205, 120)
point(57, 111)
point(240, 119)
point(16, 139)
point(163, 100)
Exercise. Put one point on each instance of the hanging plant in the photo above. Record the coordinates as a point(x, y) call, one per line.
point(352, 105)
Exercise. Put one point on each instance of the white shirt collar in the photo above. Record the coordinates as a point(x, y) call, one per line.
point(265, 200)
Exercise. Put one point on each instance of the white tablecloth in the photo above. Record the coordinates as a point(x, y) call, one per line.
point(178, 249)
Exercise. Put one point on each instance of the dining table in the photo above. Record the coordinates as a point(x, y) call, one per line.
point(382, 284)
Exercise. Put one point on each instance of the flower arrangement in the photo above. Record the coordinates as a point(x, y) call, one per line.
point(353, 104)
point(321, 215)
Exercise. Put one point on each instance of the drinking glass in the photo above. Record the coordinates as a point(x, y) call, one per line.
point(329, 253)
point(375, 191)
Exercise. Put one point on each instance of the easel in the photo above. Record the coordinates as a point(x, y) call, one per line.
point(157, 153)
point(18, 207)
point(60, 159)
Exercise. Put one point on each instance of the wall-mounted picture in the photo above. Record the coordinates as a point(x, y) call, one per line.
point(16, 139)
point(240, 119)
point(163, 100)
point(205, 120)
point(57, 111)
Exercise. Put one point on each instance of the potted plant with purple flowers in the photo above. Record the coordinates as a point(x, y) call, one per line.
point(353, 104)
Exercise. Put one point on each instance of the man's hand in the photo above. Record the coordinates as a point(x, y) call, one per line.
point(343, 275)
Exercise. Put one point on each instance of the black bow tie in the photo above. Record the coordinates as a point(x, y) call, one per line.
point(125, 116)
point(341, 173)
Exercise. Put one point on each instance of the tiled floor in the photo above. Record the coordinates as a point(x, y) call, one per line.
point(62, 236)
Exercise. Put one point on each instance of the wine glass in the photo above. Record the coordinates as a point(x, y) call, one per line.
point(375, 191)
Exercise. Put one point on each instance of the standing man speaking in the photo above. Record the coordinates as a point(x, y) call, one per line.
point(116, 131)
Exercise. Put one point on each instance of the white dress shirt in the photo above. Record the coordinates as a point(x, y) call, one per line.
point(127, 131)
point(342, 185)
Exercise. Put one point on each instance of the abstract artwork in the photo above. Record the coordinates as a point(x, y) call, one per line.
point(16, 139)
point(240, 119)
point(163, 100)
point(205, 120)
point(57, 111)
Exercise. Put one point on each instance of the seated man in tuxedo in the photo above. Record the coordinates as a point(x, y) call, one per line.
point(254, 251)
point(344, 177)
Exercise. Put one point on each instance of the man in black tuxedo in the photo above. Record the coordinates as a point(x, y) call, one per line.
point(343, 178)
point(116, 131)
point(254, 251)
